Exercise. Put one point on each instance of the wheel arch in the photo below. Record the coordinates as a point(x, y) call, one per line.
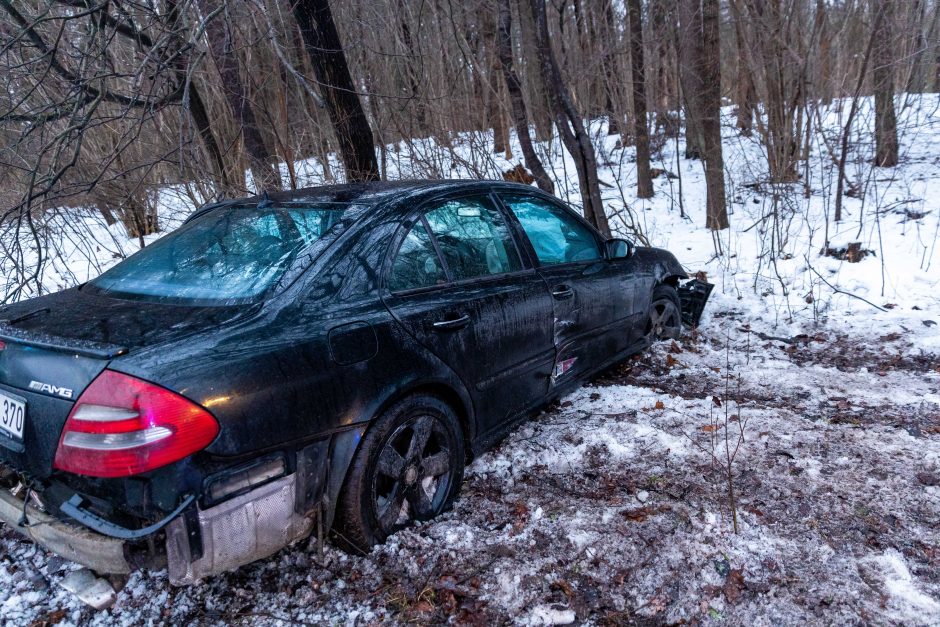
point(346, 445)
point(456, 398)
point(671, 280)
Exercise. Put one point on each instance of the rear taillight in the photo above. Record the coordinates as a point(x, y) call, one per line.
point(122, 426)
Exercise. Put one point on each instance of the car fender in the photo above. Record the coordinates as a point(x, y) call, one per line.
point(345, 444)
point(662, 264)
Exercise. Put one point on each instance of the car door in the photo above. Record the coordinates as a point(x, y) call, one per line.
point(593, 299)
point(458, 284)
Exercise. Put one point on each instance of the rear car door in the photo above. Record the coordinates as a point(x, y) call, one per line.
point(458, 284)
point(593, 299)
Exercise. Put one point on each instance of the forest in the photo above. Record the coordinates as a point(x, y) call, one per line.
point(104, 104)
point(778, 464)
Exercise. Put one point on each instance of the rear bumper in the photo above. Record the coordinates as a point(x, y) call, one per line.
point(98, 552)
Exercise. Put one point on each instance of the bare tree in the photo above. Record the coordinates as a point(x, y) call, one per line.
point(886, 123)
point(644, 180)
point(569, 124)
point(853, 109)
point(701, 84)
point(514, 87)
point(716, 210)
point(221, 36)
point(690, 75)
point(353, 132)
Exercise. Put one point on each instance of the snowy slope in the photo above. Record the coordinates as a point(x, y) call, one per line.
point(613, 506)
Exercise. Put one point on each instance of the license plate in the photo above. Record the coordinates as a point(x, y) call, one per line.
point(12, 416)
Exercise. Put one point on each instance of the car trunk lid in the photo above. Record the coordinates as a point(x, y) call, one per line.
point(46, 377)
point(55, 346)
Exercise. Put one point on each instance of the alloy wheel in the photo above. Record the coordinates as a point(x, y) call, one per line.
point(665, 320)
point(413, 473)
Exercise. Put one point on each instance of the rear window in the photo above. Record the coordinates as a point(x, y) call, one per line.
point(229, 254)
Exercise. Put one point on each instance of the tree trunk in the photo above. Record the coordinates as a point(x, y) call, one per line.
point(746, 95)
point(193, 102)
point(517, 103)
point(420, 111)
point(781, 82)
point(222, 48)
point(662, 16)
point(610, 72)
point(701, 84)
point(690, 55)
point(569, 123)
point(540, 105)
point(489, 50)
point(496, 115)
point(717, 210)
point(886, 123)
point(644, 180)
point(353, 133)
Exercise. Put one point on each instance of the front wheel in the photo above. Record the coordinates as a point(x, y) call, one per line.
point(408, 468)
point(665, 317)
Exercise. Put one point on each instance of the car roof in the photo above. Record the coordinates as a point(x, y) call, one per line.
point(375, 192)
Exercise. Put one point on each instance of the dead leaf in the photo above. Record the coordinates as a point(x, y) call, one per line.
point(564, 586)
point(423, 607)
point(642, 513)
point(52, 618)
point(710, 428)
point(733, 584)
point(671, 361)
point(674, 348)
point(716, 401)
point(659, 405)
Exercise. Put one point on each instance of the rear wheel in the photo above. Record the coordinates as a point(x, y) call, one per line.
point(665, 318)
point(408, 468)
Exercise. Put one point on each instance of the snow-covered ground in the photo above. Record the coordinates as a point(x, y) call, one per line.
point(613, 506)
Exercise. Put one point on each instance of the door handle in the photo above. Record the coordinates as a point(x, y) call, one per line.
point(453, 324)
point(562, 292)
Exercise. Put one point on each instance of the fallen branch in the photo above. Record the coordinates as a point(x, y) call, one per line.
point(838, 291)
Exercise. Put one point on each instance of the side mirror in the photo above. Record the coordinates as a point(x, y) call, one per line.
point(620, 249)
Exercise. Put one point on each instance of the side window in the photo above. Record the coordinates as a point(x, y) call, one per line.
point(556, 236)
point(473, 238)
point(416, 263)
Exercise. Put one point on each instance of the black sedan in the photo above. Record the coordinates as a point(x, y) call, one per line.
point(324, 360)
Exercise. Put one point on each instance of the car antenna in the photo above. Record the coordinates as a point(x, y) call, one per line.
point(265, 201)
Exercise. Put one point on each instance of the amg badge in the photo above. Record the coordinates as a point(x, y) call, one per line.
point(39, 386)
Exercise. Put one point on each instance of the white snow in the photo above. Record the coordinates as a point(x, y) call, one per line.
point(613, 503)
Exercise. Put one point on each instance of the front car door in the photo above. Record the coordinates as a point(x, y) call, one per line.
point(594, 298)
point(458, 283)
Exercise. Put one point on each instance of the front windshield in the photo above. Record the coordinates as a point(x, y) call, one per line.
point(232, 253)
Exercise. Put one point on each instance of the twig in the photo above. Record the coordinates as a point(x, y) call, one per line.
point(838, 291)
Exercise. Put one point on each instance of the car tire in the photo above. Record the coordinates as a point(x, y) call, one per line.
point(665, 316)
point(394, 479)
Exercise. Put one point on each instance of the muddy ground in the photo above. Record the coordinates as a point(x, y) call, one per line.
point(613, 507)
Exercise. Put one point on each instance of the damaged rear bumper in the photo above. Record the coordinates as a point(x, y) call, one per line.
point(198, 542)
point(245, 513)
point(250, 527)
point(94, 550)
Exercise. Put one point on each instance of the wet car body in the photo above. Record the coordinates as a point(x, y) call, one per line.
point(295, 378)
